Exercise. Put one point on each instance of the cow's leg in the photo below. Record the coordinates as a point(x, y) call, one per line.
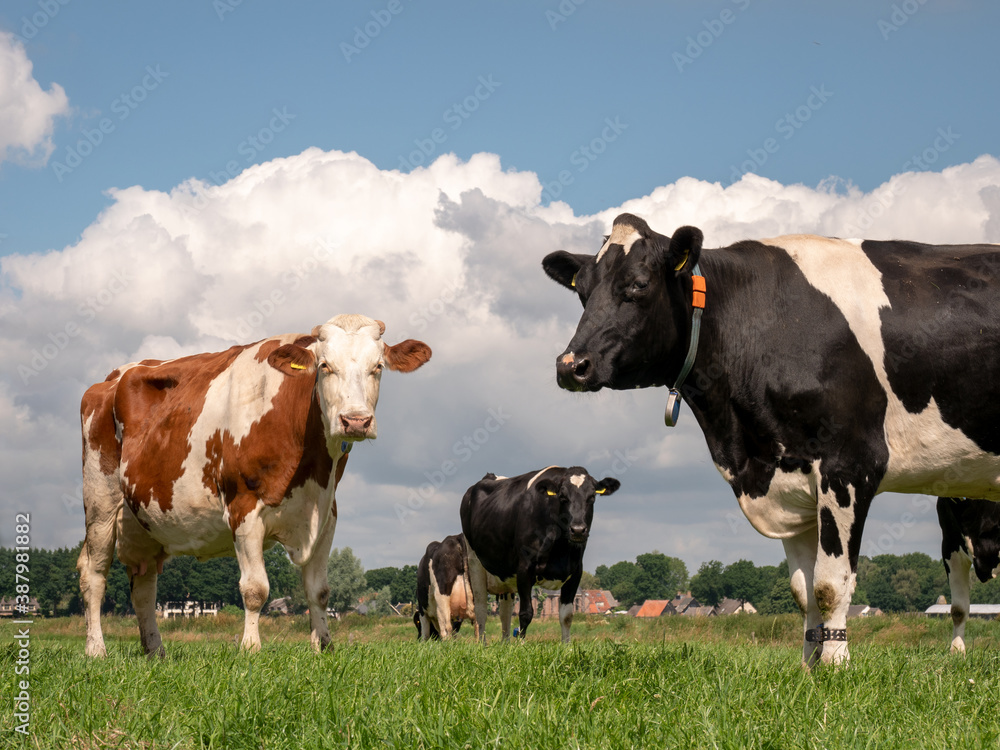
point(317, 587)
point(143, 585)
point(480, 598)
point(567, 597)
point(254, 586)
point(959, 567)
point(505, 608)
point(525, 609)
point(102, 503)
point(800, 551)
point(143, 556)
point(442, 603)
point(835, 574)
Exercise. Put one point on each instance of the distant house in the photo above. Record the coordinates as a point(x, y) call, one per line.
point(863, 610)
point(699, 612)
point(982, 611)
point(656, 608)
point(682, 601)
point(633, 611)
point(595, 602)
point(586, 602)
point(280, 606)
point(734, 606)
point(10, 607)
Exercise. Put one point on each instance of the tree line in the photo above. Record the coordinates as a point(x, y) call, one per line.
point(893, 583)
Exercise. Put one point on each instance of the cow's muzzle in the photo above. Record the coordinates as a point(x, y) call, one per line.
point(573, 371)
point(578, 533)
point(356, 425)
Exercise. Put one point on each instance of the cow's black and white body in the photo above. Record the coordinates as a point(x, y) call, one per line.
point(826, 371)
point(527, 530)
point(970, 537)
point(444, 597)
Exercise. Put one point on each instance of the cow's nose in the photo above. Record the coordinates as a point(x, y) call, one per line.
point(572, 371)
point(355, 425)
point(578, 530)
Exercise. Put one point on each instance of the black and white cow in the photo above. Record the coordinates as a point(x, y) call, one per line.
point(528, 530)
point(444, 598)
point(826, 371)
point(970, 532)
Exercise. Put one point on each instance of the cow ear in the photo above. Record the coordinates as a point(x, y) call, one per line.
point(685, 249)
point(547, 487)
point(407, 356)
point(607, 486)
point(562, 267)
point(292, 360)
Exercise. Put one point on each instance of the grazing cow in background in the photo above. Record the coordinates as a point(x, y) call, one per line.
point(970, 532)
point(821, 371)
point(225, 454)
point(444, 598)
point(528, 530)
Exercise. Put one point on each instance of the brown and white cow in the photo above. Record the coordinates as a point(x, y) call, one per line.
point(225, 454)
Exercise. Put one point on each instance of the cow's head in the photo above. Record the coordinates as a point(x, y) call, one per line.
point(636, 296)
point(348, 355)
point(570, 496)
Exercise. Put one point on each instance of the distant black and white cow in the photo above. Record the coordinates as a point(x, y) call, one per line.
point(825, 371)
point(970, 532)
point(444, 598)
point(528, 530)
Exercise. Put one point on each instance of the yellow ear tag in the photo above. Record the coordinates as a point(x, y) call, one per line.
point(680, 265)
point(296, 366)
point(572, 283)
point(550, 493)
point(600, 492)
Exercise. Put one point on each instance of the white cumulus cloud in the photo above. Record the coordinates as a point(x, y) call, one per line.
point(27, 111)
point(449, 254)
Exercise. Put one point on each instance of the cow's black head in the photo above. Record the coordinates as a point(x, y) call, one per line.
point(570, 497)
point(636, 295)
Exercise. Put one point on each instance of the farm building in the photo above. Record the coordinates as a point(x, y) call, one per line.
point(734, 606)
point(982, 611)
point(656, 608)
point(10, 607)
point(187, 609)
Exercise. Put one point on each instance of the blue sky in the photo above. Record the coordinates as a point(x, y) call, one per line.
point(559, 76)
point(592, 107)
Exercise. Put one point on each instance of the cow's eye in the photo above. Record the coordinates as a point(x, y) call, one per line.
point(638, 287)
point(377, 369)
point(325, 367)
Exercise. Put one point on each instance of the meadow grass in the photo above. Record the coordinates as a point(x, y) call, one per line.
point(672, 682)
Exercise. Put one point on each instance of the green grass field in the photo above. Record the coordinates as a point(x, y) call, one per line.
point(673, 682)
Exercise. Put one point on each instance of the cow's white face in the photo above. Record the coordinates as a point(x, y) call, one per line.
point(350, 356)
